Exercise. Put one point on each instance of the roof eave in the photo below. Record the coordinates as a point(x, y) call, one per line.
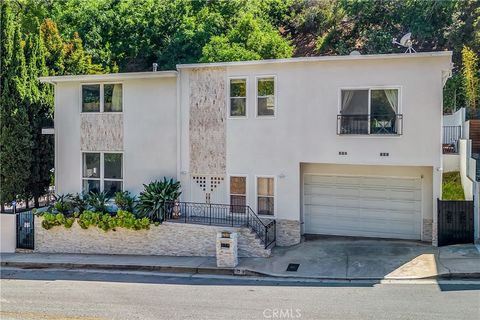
point(109, 77)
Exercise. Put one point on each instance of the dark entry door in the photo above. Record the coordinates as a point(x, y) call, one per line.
point(25, 230)
point(455, 222)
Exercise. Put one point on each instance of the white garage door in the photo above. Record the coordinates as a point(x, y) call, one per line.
point(363, 206)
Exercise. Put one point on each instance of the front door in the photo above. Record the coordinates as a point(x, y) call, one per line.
point(208, 189)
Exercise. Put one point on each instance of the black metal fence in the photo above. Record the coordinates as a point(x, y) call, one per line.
point(222, 215)
point(25, 230)
point(370, 124)
point(455, 222)
point(451, 135)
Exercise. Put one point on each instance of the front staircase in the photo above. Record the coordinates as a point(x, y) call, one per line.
point(254, 228)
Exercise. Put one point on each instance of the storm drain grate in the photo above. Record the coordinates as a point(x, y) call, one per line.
point(293, 267)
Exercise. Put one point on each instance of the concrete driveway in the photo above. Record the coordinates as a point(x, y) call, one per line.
point(365, 258)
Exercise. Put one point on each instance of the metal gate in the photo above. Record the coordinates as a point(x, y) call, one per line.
point(455, 222)
point(25, 230)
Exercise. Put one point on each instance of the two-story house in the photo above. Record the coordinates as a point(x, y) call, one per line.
point(335, 145)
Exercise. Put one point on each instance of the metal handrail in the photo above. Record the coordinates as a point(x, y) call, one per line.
point(222, 214)
point(388, 124)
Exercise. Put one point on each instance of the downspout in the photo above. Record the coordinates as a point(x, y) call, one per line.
point(179, 125)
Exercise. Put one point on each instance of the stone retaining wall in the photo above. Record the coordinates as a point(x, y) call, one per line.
point(288, 232)
point(169, 239)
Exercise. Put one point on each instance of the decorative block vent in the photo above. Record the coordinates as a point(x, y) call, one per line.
point(384, 154)
point(342, 153)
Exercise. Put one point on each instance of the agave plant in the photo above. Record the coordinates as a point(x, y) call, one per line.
point(79, 202)
point(151, 202)
point(97, 201)
point(125, 201)
point(62, 204)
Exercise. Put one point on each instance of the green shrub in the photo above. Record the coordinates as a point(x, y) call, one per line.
point(151, 202)
point(106, 222)
point(51, 220)
point(452, 186)
point(125, 201)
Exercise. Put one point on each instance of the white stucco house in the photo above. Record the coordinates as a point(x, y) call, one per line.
point(335, 145)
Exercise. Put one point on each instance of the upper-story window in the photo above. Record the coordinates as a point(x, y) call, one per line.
point(102, 97)
point(238, 97)
point(266, 96)
point(370, 111)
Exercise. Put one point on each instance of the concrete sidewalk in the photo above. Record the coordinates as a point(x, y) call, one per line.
point(322, 258)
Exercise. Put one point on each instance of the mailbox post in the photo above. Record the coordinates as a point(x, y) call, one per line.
point(227, 249)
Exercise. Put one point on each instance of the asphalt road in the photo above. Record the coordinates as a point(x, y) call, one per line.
point(60, 294)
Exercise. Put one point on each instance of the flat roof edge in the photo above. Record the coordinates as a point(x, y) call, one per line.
point(318, 59)
point(110, 76)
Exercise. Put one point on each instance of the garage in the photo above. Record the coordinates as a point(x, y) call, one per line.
point(366, 206)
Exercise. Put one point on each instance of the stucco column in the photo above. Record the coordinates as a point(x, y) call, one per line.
point(437, 194)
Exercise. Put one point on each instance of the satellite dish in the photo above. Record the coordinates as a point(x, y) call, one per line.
point(406, 42)
point(355, 53)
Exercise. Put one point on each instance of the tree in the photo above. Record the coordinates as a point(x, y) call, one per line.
point(15, 138)
point(470, 75)
point(54, 51)
point(249, 39)
point(40, 106)
point(76, 61)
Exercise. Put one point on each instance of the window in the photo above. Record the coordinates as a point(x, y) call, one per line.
point(238, 97)
point(265, 195)
point(91, 98)
point(266, 96)
point(112, 97)
point(113, 173)
point(238, 194)
point(370, 111)
point(111, 100)
point(108, 177)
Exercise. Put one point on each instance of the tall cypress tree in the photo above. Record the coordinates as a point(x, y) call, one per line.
point(15, 137)
point(40, 115)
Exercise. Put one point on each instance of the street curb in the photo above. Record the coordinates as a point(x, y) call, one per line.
point(216, 271)
point(165, 269)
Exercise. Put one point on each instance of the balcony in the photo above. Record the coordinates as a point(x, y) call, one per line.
point(369, 124)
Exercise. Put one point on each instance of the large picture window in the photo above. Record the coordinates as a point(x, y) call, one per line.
point(102, 97)
point(102, 172)
point(238, 98)
point(265, 195)
point(266, 97)
point(370, 111)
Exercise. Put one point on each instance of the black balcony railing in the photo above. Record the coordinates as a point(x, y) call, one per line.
point(370, 124)
point(222, 215)
point(451, 135)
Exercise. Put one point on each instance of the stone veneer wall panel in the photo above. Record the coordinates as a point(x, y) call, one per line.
point(288, 232)
point(101, 132)
point(427, 232)
point(169, 239)
point(207, 121)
